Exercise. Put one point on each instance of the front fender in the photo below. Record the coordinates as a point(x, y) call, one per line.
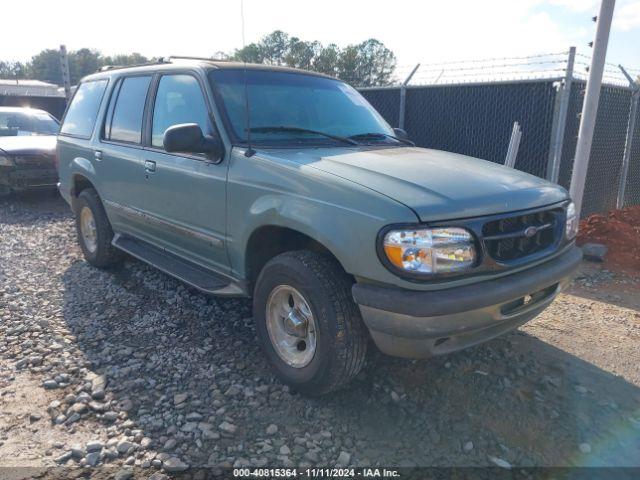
point(341, 215)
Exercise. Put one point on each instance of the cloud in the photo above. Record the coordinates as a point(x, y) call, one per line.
point(575, 5)
point(627, 16)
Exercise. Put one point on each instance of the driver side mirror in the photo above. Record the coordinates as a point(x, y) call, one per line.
point(188, 138)
point(400, 133)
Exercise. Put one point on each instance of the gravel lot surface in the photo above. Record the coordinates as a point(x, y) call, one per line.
point(130, 368)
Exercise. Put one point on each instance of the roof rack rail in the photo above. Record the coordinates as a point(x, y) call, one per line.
point(185, 57)
point(105, 68)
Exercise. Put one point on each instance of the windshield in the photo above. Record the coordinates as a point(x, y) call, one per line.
point(313, 106)
point(24, 123)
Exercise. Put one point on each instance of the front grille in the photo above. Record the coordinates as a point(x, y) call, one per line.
point(35, 160)
point(514, 238)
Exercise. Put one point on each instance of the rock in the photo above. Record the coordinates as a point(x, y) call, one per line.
point(227, 427)
point(64, 457)
point(174, 464)
point(34, 417)
point(124, 474)
point(394, 396)
point(312, 456)
point(158, 475)
point(97, 406)
point(580, 389)
point(193, 417)
point(170, 444)
point(468, 446)
point(272, 429)
point(50, 384)
point(232, 391)
point(110, 416)
point(94, 446)
point(343, 459)
point(74, 417)
point(585, 448)
point(499, 462)
point(98, 384)
point(179, 398)
point(284, 450)
point(594, 252)
point(78, 408)
point(125, 447)
point(93, 458)
point(77, 451)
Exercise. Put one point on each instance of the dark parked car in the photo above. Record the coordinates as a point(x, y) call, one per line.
point(27, 149)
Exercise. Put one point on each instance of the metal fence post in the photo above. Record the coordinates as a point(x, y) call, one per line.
point(590, 104)
point(560, 120)
point(514, 146)
point(403, 97)
point(631, 125)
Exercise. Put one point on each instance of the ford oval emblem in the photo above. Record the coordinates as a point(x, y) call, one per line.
point(530, 232)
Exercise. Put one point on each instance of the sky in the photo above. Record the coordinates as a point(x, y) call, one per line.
point(424, 31)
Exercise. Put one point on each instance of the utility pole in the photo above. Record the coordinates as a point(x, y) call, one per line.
point(64, 66)
point(590, 105)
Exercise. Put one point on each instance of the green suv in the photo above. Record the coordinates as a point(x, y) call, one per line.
point(288, 187)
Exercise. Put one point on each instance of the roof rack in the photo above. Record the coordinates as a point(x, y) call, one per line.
point(185, 57)
point(105, 68)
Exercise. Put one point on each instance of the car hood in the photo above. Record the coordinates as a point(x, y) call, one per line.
point(28, 145)
point(436, 185)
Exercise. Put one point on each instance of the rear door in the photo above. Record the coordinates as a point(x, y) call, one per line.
point(185, 194)
point(119, 159)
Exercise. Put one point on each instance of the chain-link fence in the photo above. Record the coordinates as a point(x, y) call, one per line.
point(470, 108)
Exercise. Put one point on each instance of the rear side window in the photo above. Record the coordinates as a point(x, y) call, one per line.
point(83, 111)
point(124, 122)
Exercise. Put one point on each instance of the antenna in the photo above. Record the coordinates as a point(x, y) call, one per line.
point(250, 151)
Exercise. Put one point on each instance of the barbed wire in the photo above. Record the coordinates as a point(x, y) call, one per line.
point(539, 66)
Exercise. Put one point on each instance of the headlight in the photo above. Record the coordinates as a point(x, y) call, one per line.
point(6, 161)
point(430, 250)
point(571, 225)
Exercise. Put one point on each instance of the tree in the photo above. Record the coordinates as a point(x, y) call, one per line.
point(12, 70)
point(45, 66)
point(366, 64)
point(83, 62)
point(124, 59)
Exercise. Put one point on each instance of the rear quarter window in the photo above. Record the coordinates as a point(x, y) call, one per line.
point(83, 111)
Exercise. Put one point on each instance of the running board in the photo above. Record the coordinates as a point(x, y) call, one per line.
point(201, 278)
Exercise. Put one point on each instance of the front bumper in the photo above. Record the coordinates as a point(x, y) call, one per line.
point(27, 178)
point(418, 324)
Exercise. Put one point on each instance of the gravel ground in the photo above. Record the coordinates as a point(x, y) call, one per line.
point(130, 368)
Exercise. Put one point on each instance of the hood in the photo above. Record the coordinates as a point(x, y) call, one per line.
point(28, 145)
point(436, 185)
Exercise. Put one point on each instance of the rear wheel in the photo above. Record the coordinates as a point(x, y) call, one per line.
point(94, 231)
point(307, 323)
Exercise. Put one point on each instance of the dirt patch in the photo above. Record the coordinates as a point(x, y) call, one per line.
point(619, 230)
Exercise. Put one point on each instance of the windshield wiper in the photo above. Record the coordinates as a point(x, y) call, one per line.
point(380, 135)
point(284, 128)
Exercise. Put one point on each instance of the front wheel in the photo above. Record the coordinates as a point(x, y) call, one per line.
point(307, 323)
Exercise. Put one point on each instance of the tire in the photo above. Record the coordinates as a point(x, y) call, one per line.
point(340, 335)
point(100, 253)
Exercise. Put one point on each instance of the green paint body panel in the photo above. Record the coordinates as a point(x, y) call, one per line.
point(341, 197)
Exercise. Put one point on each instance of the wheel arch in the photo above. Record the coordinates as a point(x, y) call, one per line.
point(268, 241)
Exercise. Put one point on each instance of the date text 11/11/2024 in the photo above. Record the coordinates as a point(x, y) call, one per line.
point(315, 473)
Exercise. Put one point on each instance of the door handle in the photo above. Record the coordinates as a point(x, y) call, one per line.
point(149, 166)
point(97, 154)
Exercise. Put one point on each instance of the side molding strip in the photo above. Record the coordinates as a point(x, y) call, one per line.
point(135, 213)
